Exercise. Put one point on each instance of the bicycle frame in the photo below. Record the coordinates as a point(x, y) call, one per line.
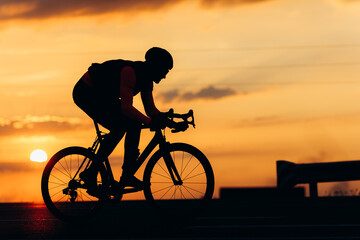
point(158, 139)
point(94, 148)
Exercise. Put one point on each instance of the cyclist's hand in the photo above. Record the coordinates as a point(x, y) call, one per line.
point(158, 122)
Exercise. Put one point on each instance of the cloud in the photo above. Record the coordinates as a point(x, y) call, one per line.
point(259, 121)
point(208, 93)
point(169, 96)
point(32, 9)
point(228, 3)
point(34, 125)
point(16, 167)
point(40, 9)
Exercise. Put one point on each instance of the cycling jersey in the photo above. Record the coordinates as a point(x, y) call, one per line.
point(106, 77)
point(123, 79)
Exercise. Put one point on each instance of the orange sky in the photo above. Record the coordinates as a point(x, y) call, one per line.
point(267, 80)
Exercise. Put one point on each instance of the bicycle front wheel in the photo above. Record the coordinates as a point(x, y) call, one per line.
point(64, 193)
point(188, 195)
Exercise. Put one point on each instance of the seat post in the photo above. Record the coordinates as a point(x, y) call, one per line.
point(97, 130)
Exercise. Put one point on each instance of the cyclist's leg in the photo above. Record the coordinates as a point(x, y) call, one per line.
point(87, 100)
point(107, 112)
point(131, 154)
point(132, 140)
point(104, 110)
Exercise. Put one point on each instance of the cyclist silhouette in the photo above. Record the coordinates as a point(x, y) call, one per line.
point(105, 93)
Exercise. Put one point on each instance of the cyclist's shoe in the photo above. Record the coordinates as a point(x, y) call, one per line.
point(131, 181)
point(89, 176)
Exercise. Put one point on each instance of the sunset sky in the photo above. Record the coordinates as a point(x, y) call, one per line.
point(267, 80)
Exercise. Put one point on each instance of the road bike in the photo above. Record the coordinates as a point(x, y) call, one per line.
point(174, 173)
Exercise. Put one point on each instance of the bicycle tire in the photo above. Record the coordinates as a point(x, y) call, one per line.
point(179, 200)
point(56, 177)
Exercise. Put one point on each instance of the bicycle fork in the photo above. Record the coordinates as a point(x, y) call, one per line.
point(170, 164)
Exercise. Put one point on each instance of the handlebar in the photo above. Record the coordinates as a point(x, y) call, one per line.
point(170, 116)
point(185, 117)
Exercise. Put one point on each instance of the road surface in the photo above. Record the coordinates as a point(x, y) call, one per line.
point(248, 218)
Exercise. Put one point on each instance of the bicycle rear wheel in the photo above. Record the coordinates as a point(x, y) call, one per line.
point(197, 181)
point(65, 194)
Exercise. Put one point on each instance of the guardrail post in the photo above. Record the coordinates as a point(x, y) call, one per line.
point(313, 189)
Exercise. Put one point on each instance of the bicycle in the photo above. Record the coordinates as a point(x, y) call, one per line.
point(176, 171)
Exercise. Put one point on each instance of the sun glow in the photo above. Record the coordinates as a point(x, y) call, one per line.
point(38, 155)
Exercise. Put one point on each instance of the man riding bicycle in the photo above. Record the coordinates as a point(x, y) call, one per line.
point(105, 93)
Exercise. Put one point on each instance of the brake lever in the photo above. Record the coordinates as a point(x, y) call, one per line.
point(191, 115)
point(170, 114)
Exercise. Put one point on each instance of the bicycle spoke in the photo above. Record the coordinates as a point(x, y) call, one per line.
point(58, 179)
point(56, 193)
point(182, 164)
point(193, 176)
point(70, 169)
point(163, 189)
point(187, 163)
point(167, 191)
point(190, 193)
point(158, 164)
point(58, 184)
point(61, 185)
point(79, 197)
point(173, 196)
point(194, 190)
point(192, 170)
point(55, 168)
point(182, 194)
point(86, 196)
point(162, 175)
point(60, 198)
point(67, 167)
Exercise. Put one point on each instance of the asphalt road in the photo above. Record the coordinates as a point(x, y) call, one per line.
point(248, 218)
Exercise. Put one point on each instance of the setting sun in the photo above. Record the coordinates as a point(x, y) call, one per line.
point(38, 155)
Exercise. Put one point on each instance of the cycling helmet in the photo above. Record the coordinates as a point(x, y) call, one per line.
point(160, 57)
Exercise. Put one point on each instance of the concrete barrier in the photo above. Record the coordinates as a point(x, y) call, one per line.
point(290, 174)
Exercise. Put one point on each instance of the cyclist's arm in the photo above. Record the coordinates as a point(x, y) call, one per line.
point(149, 105)
point(127, 84)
